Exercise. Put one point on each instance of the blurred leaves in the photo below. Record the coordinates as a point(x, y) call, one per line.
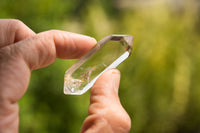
point(159, 82)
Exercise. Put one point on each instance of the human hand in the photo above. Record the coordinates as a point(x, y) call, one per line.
point(21, 51)
point(106, 114)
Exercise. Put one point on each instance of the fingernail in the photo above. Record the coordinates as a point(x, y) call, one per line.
point(115, 79)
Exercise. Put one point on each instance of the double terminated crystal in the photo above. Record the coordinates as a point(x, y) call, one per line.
point(108, 53)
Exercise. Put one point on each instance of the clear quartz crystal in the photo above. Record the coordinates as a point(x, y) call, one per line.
point(108, 53)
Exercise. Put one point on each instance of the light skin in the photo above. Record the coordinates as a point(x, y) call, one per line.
point(22, 50)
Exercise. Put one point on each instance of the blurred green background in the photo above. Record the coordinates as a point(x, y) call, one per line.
point(159, 83)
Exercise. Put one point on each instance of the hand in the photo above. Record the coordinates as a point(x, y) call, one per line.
point(106, 114)
point(21, 51)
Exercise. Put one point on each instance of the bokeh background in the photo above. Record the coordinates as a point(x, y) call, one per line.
point(160, 82)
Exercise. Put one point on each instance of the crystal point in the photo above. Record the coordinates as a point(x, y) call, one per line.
point(108, 53)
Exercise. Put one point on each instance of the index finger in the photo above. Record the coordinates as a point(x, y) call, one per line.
point(42, 49)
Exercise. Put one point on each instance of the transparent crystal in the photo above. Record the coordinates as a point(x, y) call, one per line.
point(108, 53)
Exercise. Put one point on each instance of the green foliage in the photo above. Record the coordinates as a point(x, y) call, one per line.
point(159, 82)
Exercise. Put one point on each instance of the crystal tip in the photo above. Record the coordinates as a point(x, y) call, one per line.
point(71, 86)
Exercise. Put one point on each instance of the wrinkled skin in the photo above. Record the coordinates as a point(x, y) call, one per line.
point(21, 51)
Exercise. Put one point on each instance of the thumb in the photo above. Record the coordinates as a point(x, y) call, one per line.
point(107, 87)
point(105, 111)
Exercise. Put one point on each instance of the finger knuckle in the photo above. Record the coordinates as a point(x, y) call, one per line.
point(99, 90)
point(49, 34)
point(125, 124)
point(15, 23)
point(96, 108)
point(52, 32)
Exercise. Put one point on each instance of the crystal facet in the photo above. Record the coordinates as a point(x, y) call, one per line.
point(108, 53)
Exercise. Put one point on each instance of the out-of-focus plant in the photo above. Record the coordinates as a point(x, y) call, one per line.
point(159, 82)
